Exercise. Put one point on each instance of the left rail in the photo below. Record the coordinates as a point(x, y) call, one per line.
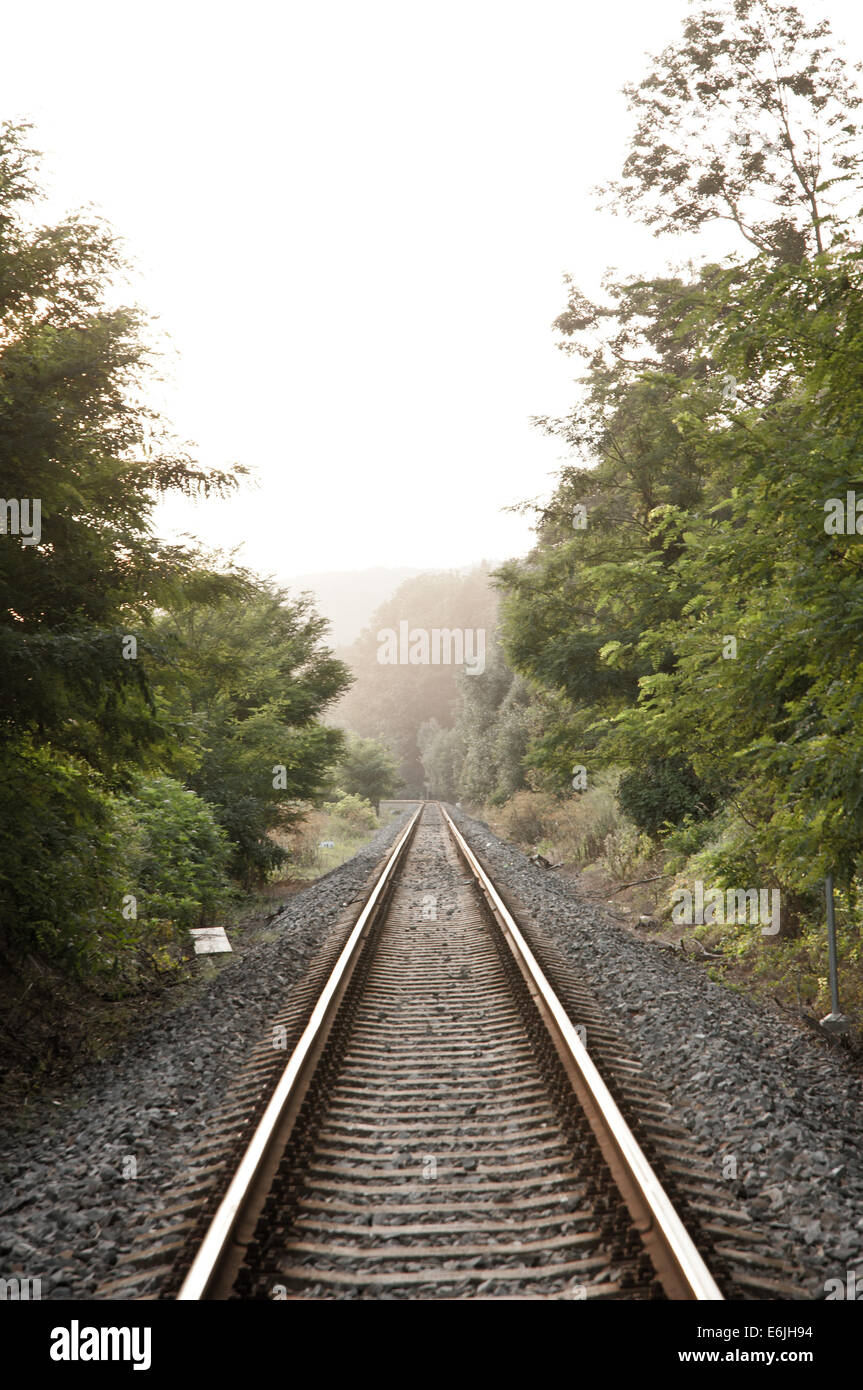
point(211, 1272)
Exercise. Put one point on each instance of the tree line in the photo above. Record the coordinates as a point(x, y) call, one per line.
point(159, 707)
point(692, 605)
point(691, 614)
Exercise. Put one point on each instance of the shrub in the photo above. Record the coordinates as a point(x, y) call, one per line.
point(529, 817)
point(179, 856)
point(663, 793)
point(61, 857)
point(355, 814)
point(581, 829)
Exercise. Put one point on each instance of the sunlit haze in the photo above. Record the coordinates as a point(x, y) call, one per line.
point(352, 222)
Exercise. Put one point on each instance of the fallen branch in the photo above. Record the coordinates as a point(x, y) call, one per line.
point(635, 883)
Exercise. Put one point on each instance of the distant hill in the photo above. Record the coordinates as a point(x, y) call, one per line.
point(349, 597)
point(392, 702)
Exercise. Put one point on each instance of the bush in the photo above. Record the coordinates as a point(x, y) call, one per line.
point(355, 814)
point(582, 829)
point(662, 793)
point(624, 848)
point(61, 857)
point(72, 855)
point(727, 856)
point(591, 819)
point(301, 842)
point(529, 817)
point(179, 856)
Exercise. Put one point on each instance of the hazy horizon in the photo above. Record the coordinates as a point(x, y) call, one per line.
point(352, 225)
point(349, 598)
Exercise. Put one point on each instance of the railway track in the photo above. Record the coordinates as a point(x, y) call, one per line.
point(439, 1130)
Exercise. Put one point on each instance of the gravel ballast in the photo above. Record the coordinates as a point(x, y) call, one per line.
point(69, 1205)
point(776, 1108)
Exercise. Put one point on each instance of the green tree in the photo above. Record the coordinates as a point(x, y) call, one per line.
point(496, 719)
point(603, 571)
point(751, 110)
point(242, 685)
point(442, 752)
point(82, 464)
point(702, 630)
point(75, 438)
point(368, 769)
point(391, 702)
point(778, 717)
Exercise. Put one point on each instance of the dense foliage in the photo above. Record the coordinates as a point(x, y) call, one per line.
point(123, 659)
point(692, 603)
point(176, 855)
point(241, 682)
point(368, 770)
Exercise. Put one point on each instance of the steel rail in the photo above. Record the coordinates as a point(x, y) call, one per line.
point(679, 1265)
point(219, 1243)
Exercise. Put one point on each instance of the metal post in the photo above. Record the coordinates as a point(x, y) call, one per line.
point(835, 1022)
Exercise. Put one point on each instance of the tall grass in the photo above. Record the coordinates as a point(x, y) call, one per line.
point(348, 824)
point(587, 828)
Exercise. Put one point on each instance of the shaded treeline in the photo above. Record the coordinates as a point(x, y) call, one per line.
point(158, 707)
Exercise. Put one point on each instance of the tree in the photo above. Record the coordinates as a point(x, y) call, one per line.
point(243, 681)
point(602, 574)
point(776, 716)
point(751, 107)
point(707, 638)
point(76, 441)
point(368, 769)
point(442, 752)
point(391, 701)
point(494, 724)
point(82, 463)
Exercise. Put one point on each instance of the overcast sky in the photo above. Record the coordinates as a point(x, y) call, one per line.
point(351, 221)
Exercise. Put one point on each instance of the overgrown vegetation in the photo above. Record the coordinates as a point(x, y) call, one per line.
point(692, 606)
point(331, 834)
point(159, 709)
point(673, 676)
point(689, 624)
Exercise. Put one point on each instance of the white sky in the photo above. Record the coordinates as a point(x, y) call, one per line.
point(352, 220)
